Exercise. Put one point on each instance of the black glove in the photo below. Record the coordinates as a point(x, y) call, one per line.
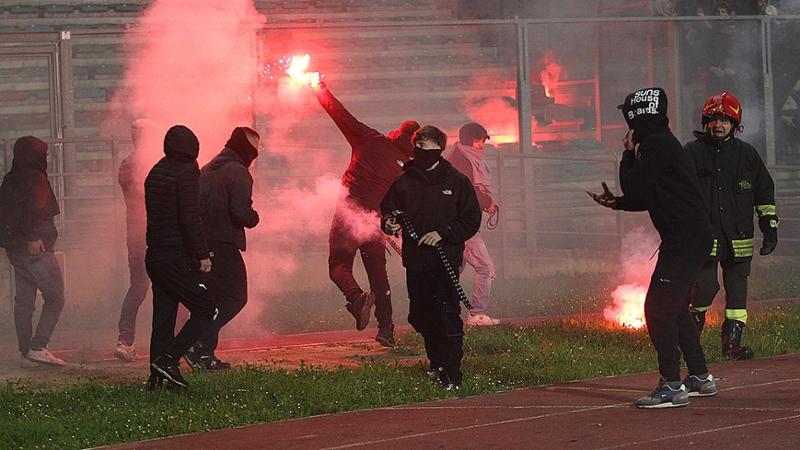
point(770, 241)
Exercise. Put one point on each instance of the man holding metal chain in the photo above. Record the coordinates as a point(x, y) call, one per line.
point(441, 204)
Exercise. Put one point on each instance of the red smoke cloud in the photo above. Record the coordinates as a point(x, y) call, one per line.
point(637, 263)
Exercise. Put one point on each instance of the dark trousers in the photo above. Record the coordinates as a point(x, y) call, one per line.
point(734, 277)
point(343, 247)
point(174, 282)
point(228, 283)
point(32, 273)
point(666, 306)
point(139, 284)
point(435, 313)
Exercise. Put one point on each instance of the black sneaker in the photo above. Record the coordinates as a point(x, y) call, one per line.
point(385, 337)
point(664, 396)
point(167, 367)
point(193, 358)
point(360, 308)
point(214, 363)
point(700, 387)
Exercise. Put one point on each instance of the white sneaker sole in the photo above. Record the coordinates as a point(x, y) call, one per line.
point(48, 362)
point(663, 405)
point(700, 394)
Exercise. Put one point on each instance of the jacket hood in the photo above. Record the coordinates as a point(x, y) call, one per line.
point(30, 153)
point(239, 143)
point(225, 156)
point(437, 175)
point(401, 136)
point(181, 143)
point(645, 112)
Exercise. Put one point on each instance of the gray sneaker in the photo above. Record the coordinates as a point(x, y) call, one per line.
point(664, 397)
point(700, 387)
point(45, 357)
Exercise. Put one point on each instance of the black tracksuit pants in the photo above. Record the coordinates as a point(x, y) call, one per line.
point(176, 280)
point(734, 277)
point(228, 283)
point(343, 247)
point(666, 306)
point(435, 313)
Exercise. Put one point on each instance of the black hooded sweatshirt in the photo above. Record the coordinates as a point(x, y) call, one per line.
point(661, 178)
point(373, 163)
point(27, 201)
point(441, 200)
point(226, 192)
point(171, 196)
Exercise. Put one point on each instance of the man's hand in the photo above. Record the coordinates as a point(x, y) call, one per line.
point(35, 247)
point(390, 225)
point(769, 243)
point(492, 208)
point(205, 265)
point(627, 141)
point(431, 239)
point(606, 199)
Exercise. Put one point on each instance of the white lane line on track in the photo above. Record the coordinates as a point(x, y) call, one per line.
point(626, 405)
point(473, 427)
point(747, 386)
point(696, 433)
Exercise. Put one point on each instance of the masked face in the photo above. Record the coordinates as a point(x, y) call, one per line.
point(424, 158)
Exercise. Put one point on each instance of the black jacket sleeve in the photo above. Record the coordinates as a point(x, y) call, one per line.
point(351, 128)
point(469, 216)
point(389, 204)
point(189, 221)
point(764, 197)
point(635, 177)
point(41, 208)
point(241, 200)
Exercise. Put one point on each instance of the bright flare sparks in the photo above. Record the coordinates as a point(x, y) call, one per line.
point(628, 307)
point(298, 72)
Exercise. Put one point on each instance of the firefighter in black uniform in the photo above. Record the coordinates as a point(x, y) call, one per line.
point(657, 176)
point(735, 183)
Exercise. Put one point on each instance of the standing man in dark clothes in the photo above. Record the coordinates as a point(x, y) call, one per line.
point(226, 198)
point(178, 259)
point(373, 167)
point(441, 204)
point(132, 171)
point(656, 175)
point(28, 233)
point(735, 184)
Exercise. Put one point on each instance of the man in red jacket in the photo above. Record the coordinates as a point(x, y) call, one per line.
point(373, 167)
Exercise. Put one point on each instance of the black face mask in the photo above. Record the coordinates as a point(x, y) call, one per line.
point(425, 158)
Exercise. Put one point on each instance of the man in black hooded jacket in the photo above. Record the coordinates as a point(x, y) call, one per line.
point(441, 204)
point(226, 198)
point(177, 258)
point(373, 167)
point(28, 233)
point(657, 176)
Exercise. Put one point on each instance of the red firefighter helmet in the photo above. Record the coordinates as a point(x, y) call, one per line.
point(723, 104)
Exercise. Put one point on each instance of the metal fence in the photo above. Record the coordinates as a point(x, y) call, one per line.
point(547, 89)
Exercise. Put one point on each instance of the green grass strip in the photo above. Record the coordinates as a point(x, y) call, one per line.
point(90, 414)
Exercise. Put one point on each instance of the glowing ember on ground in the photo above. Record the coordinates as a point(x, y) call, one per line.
point(628, 307)
point(298, 72)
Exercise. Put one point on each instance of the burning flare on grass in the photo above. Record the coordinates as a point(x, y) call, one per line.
point(628, 307)
point(298, 72)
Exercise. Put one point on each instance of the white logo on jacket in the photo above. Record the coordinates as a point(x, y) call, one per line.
point(447, 192)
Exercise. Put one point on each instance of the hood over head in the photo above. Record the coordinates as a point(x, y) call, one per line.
point(645, 112)
point(181, 143)
point(402, 136)
point(239, 143)
point(30, 153)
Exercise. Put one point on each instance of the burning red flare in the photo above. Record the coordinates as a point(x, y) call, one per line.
point(298, 72)
point(628, 308)
point(551, 73)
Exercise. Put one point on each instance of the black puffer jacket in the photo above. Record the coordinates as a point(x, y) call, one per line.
point(441, 200)
point(226, 193)
point(171, 192)
point(27, 201)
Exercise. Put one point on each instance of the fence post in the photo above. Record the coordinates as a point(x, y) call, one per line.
point(769, 106)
